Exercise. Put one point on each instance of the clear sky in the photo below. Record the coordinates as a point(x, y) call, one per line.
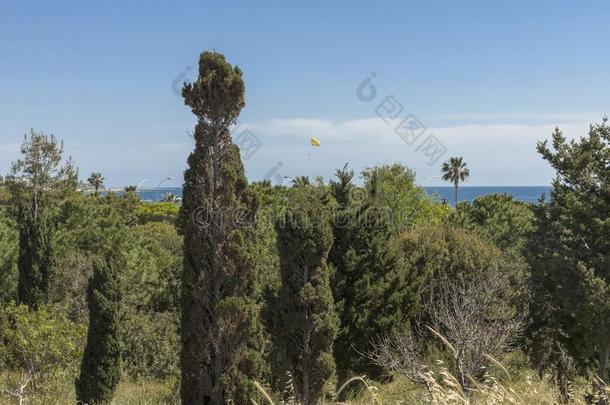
point(487, 79)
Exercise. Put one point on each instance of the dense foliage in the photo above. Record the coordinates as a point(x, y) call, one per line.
point(41, 346)
point(570, 256)
point(370, 283)
point(304, 323)
point(9, 250)
point(44, 345)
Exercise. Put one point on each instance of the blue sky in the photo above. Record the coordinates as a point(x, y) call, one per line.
point(486, 79)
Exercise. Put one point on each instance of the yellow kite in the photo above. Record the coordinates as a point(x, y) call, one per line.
point(315, 142)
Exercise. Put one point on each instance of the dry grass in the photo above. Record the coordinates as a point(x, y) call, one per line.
point(440, 387)
point(443, 388)
point(128, 393)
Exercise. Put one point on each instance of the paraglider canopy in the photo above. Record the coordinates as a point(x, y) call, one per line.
point(315, 142)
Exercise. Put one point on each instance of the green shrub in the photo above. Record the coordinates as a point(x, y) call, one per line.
point(152, 280)
point(157, 212)
point(9, 250)
point(40, 346)
point(151, 345)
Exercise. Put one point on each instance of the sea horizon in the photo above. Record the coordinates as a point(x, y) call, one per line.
point(527, 194)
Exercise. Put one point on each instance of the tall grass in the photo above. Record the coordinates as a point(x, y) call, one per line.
point(129, 392)
point(440, 387)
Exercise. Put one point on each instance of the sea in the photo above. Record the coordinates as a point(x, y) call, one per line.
point(528, 194)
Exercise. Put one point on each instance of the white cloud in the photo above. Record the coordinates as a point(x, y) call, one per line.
point(498, 154)
point(523, 117)
point(366, 129)
point(377, 130)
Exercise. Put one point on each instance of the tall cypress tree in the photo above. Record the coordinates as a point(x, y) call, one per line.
point(304, 319)
point(38, 182)
point(101, 364)
point(219, 309)
point(370, 285)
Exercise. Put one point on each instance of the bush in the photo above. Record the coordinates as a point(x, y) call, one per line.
point(151, 345)
point(157, 212)
point(152, 280)
point(9, 249)
point(43, 345)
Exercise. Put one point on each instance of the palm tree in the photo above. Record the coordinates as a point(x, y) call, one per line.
point(170, 198)
point(96, 180)
point(455, 171)
point(301, 181)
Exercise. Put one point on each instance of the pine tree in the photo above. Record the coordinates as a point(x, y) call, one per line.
point(570, 257)
point(38, 182)
point(370, 281)
point(219, 310)
point(304, 319)
point(101, 364)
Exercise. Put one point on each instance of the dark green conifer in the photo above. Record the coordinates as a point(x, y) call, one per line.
point(101, 365)
point(369, 285)
point(304, 319)
point(219, 309)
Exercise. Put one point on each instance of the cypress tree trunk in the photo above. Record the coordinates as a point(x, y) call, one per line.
point(219, 310)
point(101, 365)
